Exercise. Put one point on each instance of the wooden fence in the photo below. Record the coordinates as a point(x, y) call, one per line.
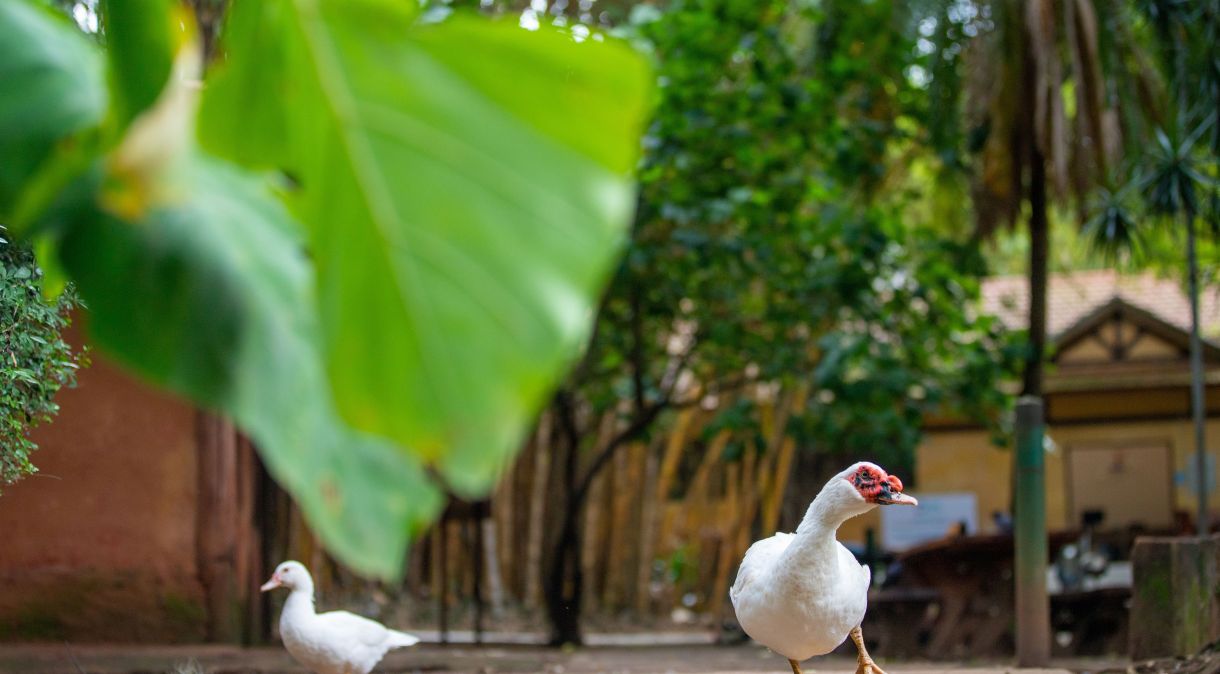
point(663, 529)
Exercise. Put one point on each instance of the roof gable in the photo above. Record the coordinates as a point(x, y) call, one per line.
point(1120, 332)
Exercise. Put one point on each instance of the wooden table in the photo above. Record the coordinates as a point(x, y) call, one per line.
point(972, 577)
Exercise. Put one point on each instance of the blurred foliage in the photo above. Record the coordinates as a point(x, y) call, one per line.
point(35, 361)
point(1071, 80)
point(769, 245)
point(1128, 77)
point(1174, 176)
point(401, 281)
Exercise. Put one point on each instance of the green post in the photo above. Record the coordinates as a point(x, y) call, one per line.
point(1033, 606)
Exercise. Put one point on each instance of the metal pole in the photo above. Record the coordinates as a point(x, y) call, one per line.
point(1033, 607)
point(1196, 380)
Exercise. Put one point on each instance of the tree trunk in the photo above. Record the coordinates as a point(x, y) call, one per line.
point(562, 590)
point(1038, 249)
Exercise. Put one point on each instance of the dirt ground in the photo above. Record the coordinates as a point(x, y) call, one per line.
point(679, 659)
point(1206, 662)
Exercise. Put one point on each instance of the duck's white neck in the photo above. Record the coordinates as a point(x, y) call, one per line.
point(835, 504)
point(299, 604)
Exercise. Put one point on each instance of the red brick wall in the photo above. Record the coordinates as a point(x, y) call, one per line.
point(100, 545)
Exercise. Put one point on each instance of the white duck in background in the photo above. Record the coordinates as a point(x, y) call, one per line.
point(802, 594)
point(336, 642)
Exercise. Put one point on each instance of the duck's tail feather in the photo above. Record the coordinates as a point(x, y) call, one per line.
point(402, 639)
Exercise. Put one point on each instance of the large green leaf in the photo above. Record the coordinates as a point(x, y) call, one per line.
point(142, 38)
point(587, 96)
point(51, 88)
point(218, 283)
point(466, 189)
point(257, 136)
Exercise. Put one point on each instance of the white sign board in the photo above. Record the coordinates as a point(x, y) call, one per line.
point(935, 517)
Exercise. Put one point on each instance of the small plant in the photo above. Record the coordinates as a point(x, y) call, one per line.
point(189, 667)
point(35, 361)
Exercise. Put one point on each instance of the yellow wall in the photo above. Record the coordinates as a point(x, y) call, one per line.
point(966, 461)
point(949, 461)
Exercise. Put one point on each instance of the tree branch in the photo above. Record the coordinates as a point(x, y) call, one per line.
point(633, 430)
point(637, 351)
point(648, 413)
point(566, 418)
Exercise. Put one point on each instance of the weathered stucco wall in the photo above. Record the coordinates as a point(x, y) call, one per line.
point(101, 544)
point(965, 461)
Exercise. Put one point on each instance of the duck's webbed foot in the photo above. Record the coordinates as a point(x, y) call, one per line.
point(865, 664)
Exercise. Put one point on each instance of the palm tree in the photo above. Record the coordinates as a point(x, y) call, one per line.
point(1173, 174)
point(1180, 172)
point(1008, 64)
point(1171, 191)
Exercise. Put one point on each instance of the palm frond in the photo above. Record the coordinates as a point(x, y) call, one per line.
point(1115, 228)
point(1175, 171)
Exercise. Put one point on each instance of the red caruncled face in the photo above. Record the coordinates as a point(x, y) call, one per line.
point(875, 485)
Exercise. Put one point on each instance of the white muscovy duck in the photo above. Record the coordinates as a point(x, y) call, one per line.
point(336, 642)
point(802, 594)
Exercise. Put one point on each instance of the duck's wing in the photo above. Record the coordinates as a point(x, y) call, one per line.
point(852, 588)
point(353, 629)
point(860, 574)
point(757, 563)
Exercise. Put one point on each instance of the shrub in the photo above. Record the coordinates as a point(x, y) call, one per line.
point(35, 361)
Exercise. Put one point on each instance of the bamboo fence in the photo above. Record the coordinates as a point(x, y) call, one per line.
point(664, 525)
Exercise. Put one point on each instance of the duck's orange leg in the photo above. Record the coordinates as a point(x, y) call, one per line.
point(865, 664)
point(796, 666)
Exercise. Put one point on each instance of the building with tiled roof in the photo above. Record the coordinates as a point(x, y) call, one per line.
point(1117, 395)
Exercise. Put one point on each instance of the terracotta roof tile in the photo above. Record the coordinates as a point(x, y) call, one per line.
point(1074, 295)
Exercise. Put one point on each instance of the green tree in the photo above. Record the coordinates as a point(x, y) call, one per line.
point(767, 251)
point(36, 361)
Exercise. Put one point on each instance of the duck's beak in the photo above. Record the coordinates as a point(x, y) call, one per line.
point(898, 499)
point(891, 493)
point(271, 584)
